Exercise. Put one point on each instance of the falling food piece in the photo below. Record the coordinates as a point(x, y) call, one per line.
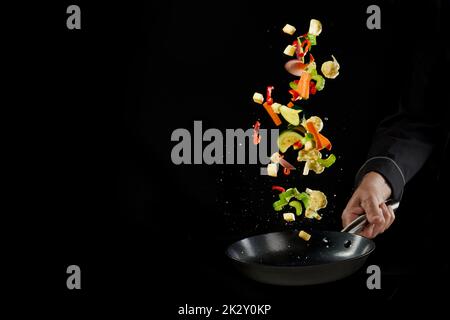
point(320, 140)
point(330, 69)
point(276, 107)
point(318, 200)
point(298, 207)
point(275, 118)
point(311, 155)
point(258, 98)
point(317, 122)
point(309, 145)
point(287, 138)
point(256, 136)
point(306, 169)
point(289, 216)
point(286, 164)
point(295, 67)
point(269, 98)
point(297, 145)
point(289, 29)
point(310, 214)
point(304, 235)
point(303, 85)
point(272, 169)
point(328, 162)
point(290, 115)
point(316, 166)
point(315, 27)
point(290, 50)
point(278, 188)
point(275, 158)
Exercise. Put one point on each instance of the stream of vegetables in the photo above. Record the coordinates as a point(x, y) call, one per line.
point(299, 134)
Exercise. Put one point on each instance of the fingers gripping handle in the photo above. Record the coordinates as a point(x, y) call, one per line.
point(358, 224)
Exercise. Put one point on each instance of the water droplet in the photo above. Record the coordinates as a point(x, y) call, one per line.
point(347, 244)
point(325, 240)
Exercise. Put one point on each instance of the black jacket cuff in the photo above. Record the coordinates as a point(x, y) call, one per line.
point(391, 172)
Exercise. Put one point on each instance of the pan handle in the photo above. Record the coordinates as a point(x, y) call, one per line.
point(358, 224)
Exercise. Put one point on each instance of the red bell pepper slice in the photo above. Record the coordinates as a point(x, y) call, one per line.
point(278, 188)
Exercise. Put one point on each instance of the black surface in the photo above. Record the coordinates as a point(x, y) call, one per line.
point(95, 185)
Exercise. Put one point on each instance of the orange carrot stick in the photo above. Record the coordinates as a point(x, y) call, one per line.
point(303, 85)
point(321, 140)
point(276, 119)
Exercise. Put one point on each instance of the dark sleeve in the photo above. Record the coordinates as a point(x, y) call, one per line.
point(403, 142)
point(401, 146)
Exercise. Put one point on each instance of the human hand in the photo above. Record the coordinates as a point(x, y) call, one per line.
point(369, 198)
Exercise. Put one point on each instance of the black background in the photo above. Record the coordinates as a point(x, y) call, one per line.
point(103, 193)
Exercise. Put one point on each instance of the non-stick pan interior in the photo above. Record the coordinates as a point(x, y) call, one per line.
point(287, 249)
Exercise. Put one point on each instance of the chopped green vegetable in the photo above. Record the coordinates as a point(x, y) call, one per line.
point(298, 207)
point(293, 85)
point(312, 39)
point(328, 162)
point(320, 81)
point(288, 194)
point(303, 197)
point(311, 69)
point(307, 137)
point(279, 205)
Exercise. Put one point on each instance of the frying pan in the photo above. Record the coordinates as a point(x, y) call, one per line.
point(283, 258)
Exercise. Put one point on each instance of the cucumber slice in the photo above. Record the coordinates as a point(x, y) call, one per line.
point(290, 115)
point(288, 138)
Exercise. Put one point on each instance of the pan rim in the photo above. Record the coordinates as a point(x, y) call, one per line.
point(298, 267)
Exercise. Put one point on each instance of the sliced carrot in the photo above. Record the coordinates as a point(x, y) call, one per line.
point(290, 104)
point(321, 140)
point(303, 85)
point(276, 119)
point(325, 142)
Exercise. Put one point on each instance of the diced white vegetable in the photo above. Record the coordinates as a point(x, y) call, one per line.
point(272, 169)
point(304, 235)
point(315, 27)
point(258, 98)
point(289, 216)
point(306, 169)
point(289, 51)
point(309, 145)
point(289, 29)
point(276, 107)
point(275, 158)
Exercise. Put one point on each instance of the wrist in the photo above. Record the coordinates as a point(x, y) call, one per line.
point(376, 180)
